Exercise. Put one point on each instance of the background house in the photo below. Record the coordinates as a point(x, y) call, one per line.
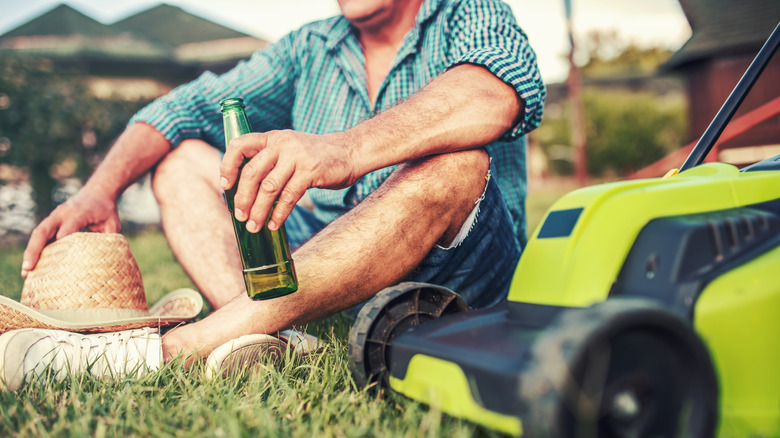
point(140, 57)
point(123, 65)
point(726, 35)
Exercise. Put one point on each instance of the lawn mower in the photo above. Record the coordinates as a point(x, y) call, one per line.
point(638, 308)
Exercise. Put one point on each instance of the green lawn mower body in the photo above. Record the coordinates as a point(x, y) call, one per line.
point(638, 308)
point(703, 245)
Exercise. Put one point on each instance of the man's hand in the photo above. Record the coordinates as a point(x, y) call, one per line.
point(94, 207)
point(443, 117)
point(82, 211)
point(283, 165)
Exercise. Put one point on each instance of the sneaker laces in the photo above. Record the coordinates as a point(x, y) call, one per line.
point(105, 354)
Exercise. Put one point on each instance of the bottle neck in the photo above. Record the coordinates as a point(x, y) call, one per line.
point(235, 122)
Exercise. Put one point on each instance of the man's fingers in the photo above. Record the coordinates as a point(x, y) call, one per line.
point(66, 229)
point(38, 239)
point(290, 196)
point(251, 182)
point(277, 158)
point(112, 225)
point(239, 149)
point(270, 188)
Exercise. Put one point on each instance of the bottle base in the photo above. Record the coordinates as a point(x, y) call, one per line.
point(270, 281)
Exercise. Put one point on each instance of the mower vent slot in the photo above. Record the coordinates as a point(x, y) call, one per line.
point(674, 258)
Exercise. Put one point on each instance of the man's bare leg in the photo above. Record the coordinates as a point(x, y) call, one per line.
point(196, 221)
point(371, 247)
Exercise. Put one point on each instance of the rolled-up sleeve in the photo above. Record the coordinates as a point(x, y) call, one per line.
point(486, 33)
point(265, 81)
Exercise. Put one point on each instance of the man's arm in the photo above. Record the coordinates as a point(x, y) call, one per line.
point(94, 207)
point(467, 107)
point(189, 111)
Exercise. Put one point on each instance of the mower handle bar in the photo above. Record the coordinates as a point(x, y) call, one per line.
point(726, 112)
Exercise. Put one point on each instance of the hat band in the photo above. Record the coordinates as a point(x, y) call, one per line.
point(96, 315)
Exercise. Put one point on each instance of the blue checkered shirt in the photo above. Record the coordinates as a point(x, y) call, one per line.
point(313, 80)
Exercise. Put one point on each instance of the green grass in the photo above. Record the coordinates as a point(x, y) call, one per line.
point(303, 397)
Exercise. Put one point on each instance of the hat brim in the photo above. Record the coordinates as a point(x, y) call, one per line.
point(176, 307)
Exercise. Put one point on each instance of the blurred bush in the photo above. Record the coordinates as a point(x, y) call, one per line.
point(633, 116)
point(51, 126)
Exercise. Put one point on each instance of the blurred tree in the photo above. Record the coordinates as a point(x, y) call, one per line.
point(47, 118)
point(632, 117)
point(627, 131)
point(607, 54)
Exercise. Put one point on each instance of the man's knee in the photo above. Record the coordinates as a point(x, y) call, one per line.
point(193, 161)
point(449, 185)
point(456, 178)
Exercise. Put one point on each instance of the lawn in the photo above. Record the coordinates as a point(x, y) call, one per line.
point(301, 397)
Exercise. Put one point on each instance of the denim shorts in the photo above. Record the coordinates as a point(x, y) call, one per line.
point(479, 268)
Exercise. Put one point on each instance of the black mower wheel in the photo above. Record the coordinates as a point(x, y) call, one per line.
point(389, 313)
point(621, 368)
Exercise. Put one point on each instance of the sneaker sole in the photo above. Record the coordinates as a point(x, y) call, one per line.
point(242, 354)
point(12, 378)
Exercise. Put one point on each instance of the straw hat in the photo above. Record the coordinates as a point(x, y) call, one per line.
point(90, 282)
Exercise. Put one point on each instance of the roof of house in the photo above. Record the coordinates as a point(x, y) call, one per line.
point(725, 27)
point(62, 20)
point(174, 26)
point(162, 33)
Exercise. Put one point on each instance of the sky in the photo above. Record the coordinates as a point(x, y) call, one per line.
point(643, 22)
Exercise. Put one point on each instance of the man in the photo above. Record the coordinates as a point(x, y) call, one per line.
point(383, 115)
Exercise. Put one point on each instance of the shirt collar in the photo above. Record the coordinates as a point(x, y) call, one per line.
point(339, 28)
point(428, 8)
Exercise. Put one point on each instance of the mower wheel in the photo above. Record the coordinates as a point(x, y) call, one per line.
point(389, 313)
point(624, 367)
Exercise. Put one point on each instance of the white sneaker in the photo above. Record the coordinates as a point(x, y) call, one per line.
point(302, 344)
point(246, 352)
point(29, 352)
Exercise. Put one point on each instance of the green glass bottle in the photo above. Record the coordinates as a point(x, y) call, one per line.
point(268, 266)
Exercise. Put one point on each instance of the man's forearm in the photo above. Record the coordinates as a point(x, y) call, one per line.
point(138, 149)
point(464, 108)
point(94, 207)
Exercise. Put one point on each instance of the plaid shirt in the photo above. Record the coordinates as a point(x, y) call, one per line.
point(313, 80)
